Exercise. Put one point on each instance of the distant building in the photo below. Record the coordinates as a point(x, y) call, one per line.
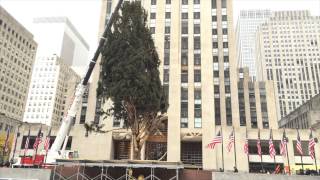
point(17, 55)
point(246, 28)
point(304, 117)
point(51, 91)
point(57, 35)
point(288, 52)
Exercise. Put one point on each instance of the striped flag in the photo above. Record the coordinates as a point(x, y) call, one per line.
point(6, 143)
point(26, 145)
point(47, 141)
point(216, 140)
point(246, 147)
point(312, 143)
point(283, 144)
point(38, 140)
point(298, 145)
point(259, 144)
point(272, 150)
point(231, 141)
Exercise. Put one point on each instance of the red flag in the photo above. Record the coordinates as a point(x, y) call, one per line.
point(283, 145)
point(216, 140)
point(231, 141)
point(26, 145)
point(312, 143)
point(272, 150)
point(259, 144)
point(38, 140)
point(47, 141)
point(246, 147)
point(298, 145)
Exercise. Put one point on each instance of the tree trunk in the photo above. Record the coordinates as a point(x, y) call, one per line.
point(136, 147)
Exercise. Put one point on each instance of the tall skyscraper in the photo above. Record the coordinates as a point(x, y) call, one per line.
point(51, 91)
point(57, 35)
point(288, 52)
point(17, 55)
point(247, 25)
point(199, 70)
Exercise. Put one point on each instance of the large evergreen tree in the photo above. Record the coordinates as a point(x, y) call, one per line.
point(130, 75)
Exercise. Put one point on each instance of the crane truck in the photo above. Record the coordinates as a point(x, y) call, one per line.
point(66, 124)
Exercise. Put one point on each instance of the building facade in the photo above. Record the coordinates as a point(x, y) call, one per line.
point(51, 91)
point(304, 117)
point(64, 40)
point(17, 55)
point(246, 28)
point(288, 52)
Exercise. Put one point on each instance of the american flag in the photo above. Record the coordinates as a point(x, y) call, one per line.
point(6, 144)
point(26, 145)
point(272, 151)
point(259, 145)
point(283, 144)
point(231, 141)
point(47, 141)
point(312, 143)
point(298, 145)
point(216, 140)
point(38, 140)
point(246, 147)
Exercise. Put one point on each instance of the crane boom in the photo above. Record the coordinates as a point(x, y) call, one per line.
point(65, 127)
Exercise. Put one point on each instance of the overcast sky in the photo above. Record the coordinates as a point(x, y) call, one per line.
point(84, 14)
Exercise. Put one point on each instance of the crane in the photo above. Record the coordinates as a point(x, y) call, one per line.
point(65, 127)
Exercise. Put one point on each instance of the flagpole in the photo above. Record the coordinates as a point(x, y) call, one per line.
point(287, 140)
point(315, 157)
point(300, 153)
point(222, 150)
point(274, 157)
point(24, 152)
point(15, 143)
point(261, 152)
point(248, 149)
point(234, 148)
point(38, 136)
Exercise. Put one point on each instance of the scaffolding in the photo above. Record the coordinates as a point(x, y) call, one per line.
point(103, 168)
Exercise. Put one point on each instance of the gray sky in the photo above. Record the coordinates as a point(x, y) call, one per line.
point(84, 14)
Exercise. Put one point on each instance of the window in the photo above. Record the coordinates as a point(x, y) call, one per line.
point(216, 89)
point(184, 109)
point(184, 27)
point(197, 94)
point(167, 42)
point(196, 29)
point(197, 110)
point(197, 59)
point(184, 42)
point(185, 2)
point(168, 1)
point(214, 18)
point(184, 76)
point(166, 75)
point(197, 75)
point(152, 30)
point(153, 16)
point(196, 15)
point(224, 31)
point(213, 4)
point(225, 58)
point(153, 2)
point(184, 15)
point(224, 18)
point(215, 45)
point(304, 145)
point(197, 43)
point(215, 58)
point(225, 44)
point(167, 30)
point(196, 1)
point(184, 58)
point(214, 31)
point(166, 58)
point(224, 4)
point(217, 111)
point(168, 15)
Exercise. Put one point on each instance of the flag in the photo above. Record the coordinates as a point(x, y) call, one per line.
point(47, 141)
point(216, 140)
point(6, 143)
point(231, 141)
point(246, 147)
point(272, 150)
point(283, 144)
point(259, 144)
point(26, 145)
point(277, 170)
point(298, 145)
point(312, 143)
point(38, 140)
